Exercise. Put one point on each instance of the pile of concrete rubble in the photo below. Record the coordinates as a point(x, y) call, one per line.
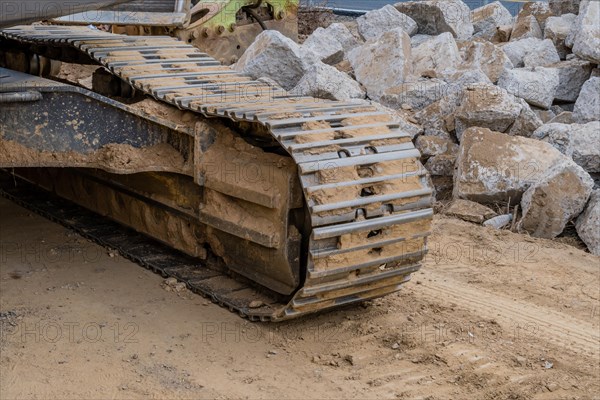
point(505, 110)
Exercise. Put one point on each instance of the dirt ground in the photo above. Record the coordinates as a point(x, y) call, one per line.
point(492, 315)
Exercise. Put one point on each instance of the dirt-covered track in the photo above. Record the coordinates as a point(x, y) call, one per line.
point(368, 196)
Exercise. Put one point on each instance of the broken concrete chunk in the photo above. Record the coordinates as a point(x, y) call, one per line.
point(487, 18)
point(526, 27)
point(430, 146)
point(469, 211)
point(439, 116)
point(418, 39)
point(570, 39)
point(586, 145)
point(587, 106)
point(527, 121)
point(556, 198)
point(557, 29)
point(437, 133)
point(558, 135)
point(342, 34)
point(170, 281)
point(486, 106)
point(588, 224)
point(326, 82)
point(544, 57)
point(382, 63)
point(325, 46)
point(441, 165)
point(537, 86)
point(438, 16)
point(540, 10)
point(484, 55)
point(460, 79)
point(572, 74)
point(494, 167)
point(585, 35)
point(375, 23)
point(499, 222)
point(278, 57)
point(479, 105)
point(502, 34)
point(537, 52)
point(437, 54)
point(581, 142)
point(560, 7)
point(416, 94)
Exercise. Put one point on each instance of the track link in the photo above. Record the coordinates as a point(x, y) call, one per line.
point(368, 196)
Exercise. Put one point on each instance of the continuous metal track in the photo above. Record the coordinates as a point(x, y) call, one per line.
point(368, 196)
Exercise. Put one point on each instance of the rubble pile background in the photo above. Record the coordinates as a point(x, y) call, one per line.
point(505, 110)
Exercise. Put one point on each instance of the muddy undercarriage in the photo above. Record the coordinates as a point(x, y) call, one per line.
point(310, 204)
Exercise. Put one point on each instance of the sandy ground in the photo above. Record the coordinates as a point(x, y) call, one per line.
point(492, 315)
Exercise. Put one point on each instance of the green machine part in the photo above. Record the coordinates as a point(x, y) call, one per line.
point(225, 28)
point(226, 12)
point(222, 28)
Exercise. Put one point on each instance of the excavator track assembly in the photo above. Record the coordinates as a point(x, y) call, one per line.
point(350, 224)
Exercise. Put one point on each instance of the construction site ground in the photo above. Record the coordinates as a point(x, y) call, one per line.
point(491, 315)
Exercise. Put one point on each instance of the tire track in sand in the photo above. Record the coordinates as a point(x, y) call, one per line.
point(552, 326)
